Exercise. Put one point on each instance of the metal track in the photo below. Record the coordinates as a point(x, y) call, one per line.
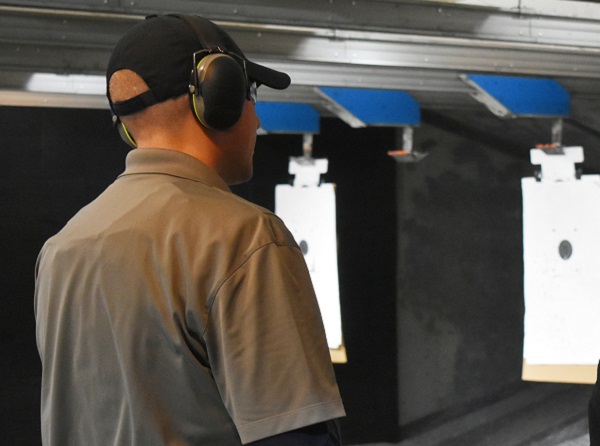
point(420, 47)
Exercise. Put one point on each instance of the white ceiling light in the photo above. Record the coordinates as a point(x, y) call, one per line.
point(66, 83)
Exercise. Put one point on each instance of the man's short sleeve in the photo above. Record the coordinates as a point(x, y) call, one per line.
point(267, 346)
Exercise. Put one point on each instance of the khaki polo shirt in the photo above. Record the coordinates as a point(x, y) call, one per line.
point(171, 312)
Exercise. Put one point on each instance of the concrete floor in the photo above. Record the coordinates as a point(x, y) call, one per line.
point(541, 415)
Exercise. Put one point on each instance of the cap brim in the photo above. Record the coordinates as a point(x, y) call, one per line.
point(267, 76)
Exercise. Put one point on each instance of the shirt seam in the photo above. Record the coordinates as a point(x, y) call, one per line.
point(195, 180)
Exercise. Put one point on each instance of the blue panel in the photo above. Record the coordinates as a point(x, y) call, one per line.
point(284, 117)
point(525, 96)
point(377, 107)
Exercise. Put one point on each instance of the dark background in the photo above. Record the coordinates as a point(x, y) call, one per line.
point(430, 256)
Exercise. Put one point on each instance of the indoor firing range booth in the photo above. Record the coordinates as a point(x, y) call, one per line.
point(437, 161)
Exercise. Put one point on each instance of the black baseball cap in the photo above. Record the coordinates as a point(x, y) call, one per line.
point(160, 48)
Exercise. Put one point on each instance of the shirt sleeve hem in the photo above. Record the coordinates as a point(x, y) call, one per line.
point(296, 419)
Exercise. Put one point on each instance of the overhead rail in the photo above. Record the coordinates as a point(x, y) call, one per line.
point(418, 47)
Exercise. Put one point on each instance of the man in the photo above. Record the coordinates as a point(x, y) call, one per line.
point(169, 311)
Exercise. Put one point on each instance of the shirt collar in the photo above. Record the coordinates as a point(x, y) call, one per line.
point(174, 163)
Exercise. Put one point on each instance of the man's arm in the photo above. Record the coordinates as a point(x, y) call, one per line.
point(267, 347)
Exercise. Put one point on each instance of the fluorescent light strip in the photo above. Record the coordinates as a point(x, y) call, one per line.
point(66, 84)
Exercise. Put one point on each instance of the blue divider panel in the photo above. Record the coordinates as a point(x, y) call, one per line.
point(377, 107)
point(524, 96)
point(284, 117)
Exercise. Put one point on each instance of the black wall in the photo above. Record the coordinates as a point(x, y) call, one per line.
point(54, 161)
point(460, 262)
point(460, 297)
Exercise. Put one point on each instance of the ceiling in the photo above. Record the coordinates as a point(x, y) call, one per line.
point(420, 47)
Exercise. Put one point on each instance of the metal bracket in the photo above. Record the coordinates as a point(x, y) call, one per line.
point(307, 170)
point(557, 130)
point(407, 153)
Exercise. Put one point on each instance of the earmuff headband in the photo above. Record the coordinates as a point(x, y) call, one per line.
point(197, 58)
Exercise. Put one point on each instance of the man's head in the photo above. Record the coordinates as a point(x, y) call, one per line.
point(167, 60)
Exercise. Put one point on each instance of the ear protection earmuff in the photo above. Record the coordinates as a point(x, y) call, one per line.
point(218, 88)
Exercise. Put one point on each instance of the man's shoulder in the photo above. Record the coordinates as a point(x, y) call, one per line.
point(247, 208)
point(258, 219)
